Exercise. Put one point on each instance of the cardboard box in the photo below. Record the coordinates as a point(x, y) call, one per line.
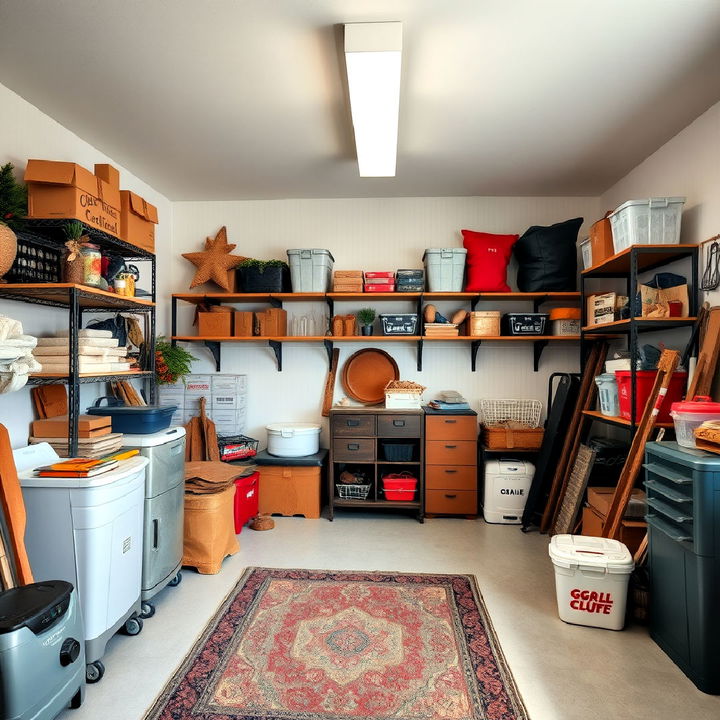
point(604, 308)
point(57, 427)
point(632, 532)
point(228, 383)
point(243, 324)
point(272, 322)
point(601, 241)
point(197, 386)
point(138, 219)
point(215, 324)
point(345, 274)
point(67, 190)
point(600, 498)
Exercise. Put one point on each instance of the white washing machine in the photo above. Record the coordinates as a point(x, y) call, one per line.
point(89, 532)
point(164, 510)
point(507, 483)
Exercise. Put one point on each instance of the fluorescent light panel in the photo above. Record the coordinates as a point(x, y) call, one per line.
point(373, 59)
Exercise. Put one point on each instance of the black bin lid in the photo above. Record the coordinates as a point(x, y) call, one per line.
point(21, 605)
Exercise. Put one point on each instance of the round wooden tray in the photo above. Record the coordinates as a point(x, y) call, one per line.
point(366, 373)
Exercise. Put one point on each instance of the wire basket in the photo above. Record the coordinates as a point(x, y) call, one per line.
point(494, 412)
point(352, 492)
point(236, 447)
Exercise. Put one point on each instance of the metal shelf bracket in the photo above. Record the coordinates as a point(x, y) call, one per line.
point(419, 355)
point(276, 345)
point(538, 347)
point(329, 350)
point(474, 347)
point(214, 347)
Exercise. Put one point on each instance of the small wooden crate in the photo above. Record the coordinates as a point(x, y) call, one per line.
point(485, 323)
point(511, 435)
point(214, 324)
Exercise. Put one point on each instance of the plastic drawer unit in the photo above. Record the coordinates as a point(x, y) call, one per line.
point(683, 497)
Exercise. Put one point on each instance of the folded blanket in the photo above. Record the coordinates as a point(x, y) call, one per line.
point(16, 360)
point(87, 333)
point(83, 349)
point(64, 342)
point(84, 367)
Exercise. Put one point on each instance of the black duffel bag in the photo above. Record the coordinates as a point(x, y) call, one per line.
point(547, 257)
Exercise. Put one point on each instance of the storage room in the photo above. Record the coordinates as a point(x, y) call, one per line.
point(359, 360)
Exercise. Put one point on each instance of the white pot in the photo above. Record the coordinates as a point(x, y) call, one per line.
point(293, 439)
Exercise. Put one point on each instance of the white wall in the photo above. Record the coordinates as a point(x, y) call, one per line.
point(380, 234)
point(26, 132)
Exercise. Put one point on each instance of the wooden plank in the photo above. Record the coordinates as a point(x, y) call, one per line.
point(701, 383)
point(633, 464)
point(330, 383)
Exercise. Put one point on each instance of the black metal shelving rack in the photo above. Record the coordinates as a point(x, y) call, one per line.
point(628, 265)
point(78, 300)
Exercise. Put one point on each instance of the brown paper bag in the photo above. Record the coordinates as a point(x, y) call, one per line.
point(655, 300)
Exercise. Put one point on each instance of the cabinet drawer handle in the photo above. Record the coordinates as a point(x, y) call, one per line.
point(450, 422)
point(450, 497)
point(450, 472)
point(399, 423)
point(451, 447)
point(352, 423)
point(353, 446)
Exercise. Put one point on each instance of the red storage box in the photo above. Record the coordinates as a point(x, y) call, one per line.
point(644, 383)
point(375, 275)
point(374, 287)
point(400, 488)
point(246, 499)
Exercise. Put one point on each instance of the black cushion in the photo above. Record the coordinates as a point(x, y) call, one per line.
point(547, 257)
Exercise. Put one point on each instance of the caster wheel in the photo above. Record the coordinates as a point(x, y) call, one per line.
point(94, 672)
point(147, 610)
point(176, 580)
point(133, 626)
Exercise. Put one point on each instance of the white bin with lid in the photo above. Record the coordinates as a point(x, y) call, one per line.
point(507, 483)
point(608, 394)
point(591, 580)
point(310, 269)
point(445, 269)
point(650, 221)
point(293, 439)
point(691, 414)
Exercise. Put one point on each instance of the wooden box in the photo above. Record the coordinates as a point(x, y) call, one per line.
point(286, 490)
point(272, 322)
point(243, 324)
point(215, 324)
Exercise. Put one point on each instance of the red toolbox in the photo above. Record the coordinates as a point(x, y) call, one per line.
point(246, 499)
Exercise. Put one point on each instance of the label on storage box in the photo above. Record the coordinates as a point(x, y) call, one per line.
point(591, 601)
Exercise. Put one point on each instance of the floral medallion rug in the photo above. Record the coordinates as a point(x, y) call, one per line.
point(322, 645)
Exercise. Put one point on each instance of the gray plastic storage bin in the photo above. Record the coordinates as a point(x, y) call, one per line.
point(310, 269)
point(683, 516)
point(445, 268)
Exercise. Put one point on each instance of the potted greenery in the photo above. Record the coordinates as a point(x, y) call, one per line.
point(366, 317)
point(263, 276)
point(13, 207)
point(172, 363)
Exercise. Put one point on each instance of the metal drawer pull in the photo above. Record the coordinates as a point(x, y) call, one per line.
point(673, 534)
point(668, 511)
point(156, 533)
point(667, 492)
point(450, 497)
point(664, 472)
point(399, 423)
point(450, 471)
point(353, 446)
point(451, 447)
point(450, 422)
point(352, 423)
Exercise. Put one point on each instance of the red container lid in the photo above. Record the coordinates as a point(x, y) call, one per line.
point(699, 404)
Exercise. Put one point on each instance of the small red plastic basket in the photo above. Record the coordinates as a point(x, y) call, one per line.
point(399, 486)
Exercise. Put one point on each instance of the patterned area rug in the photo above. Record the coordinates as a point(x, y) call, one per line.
point(316, 645)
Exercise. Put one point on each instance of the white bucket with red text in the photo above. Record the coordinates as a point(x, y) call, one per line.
point(591, 580)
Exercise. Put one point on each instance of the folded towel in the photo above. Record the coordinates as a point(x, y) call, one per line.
point(102, 367)
point(83, 348)
point(64, 342)
point(16, 359)
point(87, 333)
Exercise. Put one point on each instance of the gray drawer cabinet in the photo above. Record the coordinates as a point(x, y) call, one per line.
point(375, 443)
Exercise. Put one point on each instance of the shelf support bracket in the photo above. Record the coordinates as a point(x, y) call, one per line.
point(474, 347)
point(214, 347)
point(329, 350)
point(419, 355)
point(331, 306)
point(276, 345)
point(275, 302)
point(473, 303)
point(537, 302)
point(538, 347)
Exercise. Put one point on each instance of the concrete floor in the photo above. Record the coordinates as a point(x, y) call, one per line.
point(563, 672)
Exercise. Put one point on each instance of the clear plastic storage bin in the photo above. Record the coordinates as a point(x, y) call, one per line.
point(653, 221)
point(445, 269)
point(310, 269)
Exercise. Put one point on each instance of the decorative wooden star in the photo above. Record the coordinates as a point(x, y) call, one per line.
point(214, 262)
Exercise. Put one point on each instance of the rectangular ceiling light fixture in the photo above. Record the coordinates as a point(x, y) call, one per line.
point(372, 57)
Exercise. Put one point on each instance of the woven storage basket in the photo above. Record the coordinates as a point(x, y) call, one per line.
point(511, 435)
point(484, 323)
point(494, 411)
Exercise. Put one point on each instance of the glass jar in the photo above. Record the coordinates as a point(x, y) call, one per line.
point(92, 264)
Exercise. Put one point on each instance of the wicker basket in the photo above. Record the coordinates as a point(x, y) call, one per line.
point(352, 492)
point(511, 436)
point(485, 323)
point(526, 412)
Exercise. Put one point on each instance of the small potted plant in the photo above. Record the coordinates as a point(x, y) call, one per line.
point(263, 276)
point(171, 363)
point(366, 317)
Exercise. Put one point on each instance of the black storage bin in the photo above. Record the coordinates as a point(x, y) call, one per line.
point(524, 323)
point(272, 279)
point(398, 452)
point(402, 324)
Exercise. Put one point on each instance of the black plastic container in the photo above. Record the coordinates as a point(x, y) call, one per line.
point(271, 279)
point(398, 451)
point(133, 419)
point(401, 324)
point(524, 323)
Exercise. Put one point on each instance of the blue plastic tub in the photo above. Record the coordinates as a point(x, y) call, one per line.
point(133, 419)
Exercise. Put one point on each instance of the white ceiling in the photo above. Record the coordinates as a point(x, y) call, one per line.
point(233, 99)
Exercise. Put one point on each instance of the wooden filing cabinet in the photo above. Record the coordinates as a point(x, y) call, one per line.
point(451, 463)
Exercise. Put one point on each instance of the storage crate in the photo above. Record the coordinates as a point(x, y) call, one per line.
point(511, 435)
point(402, 324)
point(236, 447)
point(398, 451)
point(399, 486)
point(485, 323)
point(527, 412)
point(272, 279)
point(566, 327)
point(445, 269)
point(310, 269)
point(379, 287)
point(525, 323)
point(655, 221)
point(352, 492)
point(586, 250)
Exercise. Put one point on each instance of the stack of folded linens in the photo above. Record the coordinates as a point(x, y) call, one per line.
point(98, 352)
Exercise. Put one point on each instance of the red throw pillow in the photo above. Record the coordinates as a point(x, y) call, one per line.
point(488, 256)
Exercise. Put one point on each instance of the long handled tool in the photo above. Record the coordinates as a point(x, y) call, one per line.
point(330, 383)
point(666, 367)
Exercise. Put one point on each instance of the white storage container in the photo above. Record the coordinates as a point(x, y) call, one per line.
point(608, 394)
point(617, 364)
point(688, 415)
point(654, 221)
point(586, 250)
point(591, 580)
point(507, 483)
point(565, 327)
point(403, 401)
point(310, 269)
point(293, 439)
point(445, 269)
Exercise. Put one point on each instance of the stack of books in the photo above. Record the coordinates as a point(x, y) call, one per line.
point(84, 467)
point(442, 330)
point(348, 281)
point(379, 282)
point(98, 352)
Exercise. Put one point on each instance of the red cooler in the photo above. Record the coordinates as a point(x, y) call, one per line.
point(246, 499)
point(643, 387)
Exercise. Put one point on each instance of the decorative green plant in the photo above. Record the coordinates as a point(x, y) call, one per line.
point(74, 230)
point(13, 199)
point(366, 316)
point(262, 265)
point(171, 363)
